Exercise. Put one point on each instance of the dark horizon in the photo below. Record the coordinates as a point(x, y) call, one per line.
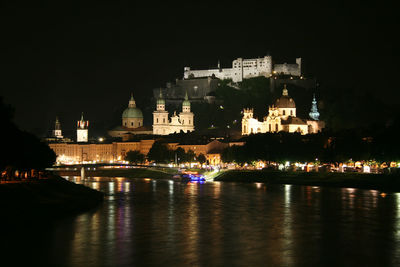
point(63, 60)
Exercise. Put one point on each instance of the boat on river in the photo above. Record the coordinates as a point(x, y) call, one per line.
point(189, 177)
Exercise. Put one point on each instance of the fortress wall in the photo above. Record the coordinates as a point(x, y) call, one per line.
point(288, 69)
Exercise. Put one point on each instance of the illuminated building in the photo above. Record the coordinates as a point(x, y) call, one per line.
point(182, 122)
point(82, 131)
point(73, 153)
point(282, 117)
point(68, 153)
point(247, 68)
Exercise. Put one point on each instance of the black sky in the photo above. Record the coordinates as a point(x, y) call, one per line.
point(59, 58)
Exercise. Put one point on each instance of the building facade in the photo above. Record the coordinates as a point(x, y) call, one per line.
point(68, 153)
point(246, 68)
point(184, 121)
point(75, 153)
point(282, 117)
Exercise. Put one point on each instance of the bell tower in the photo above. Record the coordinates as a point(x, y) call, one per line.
point(314, 114)
point(57, 129)
point(82, 130)
point(160, 117)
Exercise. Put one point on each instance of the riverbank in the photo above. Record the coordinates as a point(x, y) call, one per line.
point(385, 182)
point(45, 199)
point(120, 172)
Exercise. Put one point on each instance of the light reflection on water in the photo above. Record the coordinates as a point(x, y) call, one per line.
point(161, 222)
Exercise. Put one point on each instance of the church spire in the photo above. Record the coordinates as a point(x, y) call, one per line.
point(285, 91)
point(160, 101)
point(314, 114)
point(186, 103)
point(57, 124)
point(132, 103)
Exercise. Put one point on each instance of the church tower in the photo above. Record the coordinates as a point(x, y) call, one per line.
point(314, 114)
point(186, 116)
point(160, 117)
point(82, 134)
point(57, 133)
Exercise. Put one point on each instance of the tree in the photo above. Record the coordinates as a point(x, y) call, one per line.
point(180, 154)
point(160, 153)
point(201, 158)
point(21, 149)
point(134, 156)
point(190, 156)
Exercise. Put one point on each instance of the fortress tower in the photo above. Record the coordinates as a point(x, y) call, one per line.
point(82, 134)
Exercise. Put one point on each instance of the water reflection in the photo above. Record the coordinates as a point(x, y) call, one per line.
point(160, 222)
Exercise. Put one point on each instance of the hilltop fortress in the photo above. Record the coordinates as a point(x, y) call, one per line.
point(246, 68)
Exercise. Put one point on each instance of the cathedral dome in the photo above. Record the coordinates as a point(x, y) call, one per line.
point(285, 101)
point(132, 111)
point(160, 101)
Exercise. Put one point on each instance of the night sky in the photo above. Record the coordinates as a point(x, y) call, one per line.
point(62, 59)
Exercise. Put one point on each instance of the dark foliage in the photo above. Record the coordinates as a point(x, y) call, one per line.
point(134, 156)
point(21, 149)
point(160, 153)
point(324, 147)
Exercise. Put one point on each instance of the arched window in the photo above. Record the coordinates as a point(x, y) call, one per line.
point(125, 123)
point(291, 113)
point(157, 120)
point(183, 121)
point(283, 112)
point(276, 127)
point(131, 123)
point(189, 121)
point(269, 126)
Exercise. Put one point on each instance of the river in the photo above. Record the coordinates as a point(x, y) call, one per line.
point(161, 222)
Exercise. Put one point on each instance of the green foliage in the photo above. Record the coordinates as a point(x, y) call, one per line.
point(134, 156)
